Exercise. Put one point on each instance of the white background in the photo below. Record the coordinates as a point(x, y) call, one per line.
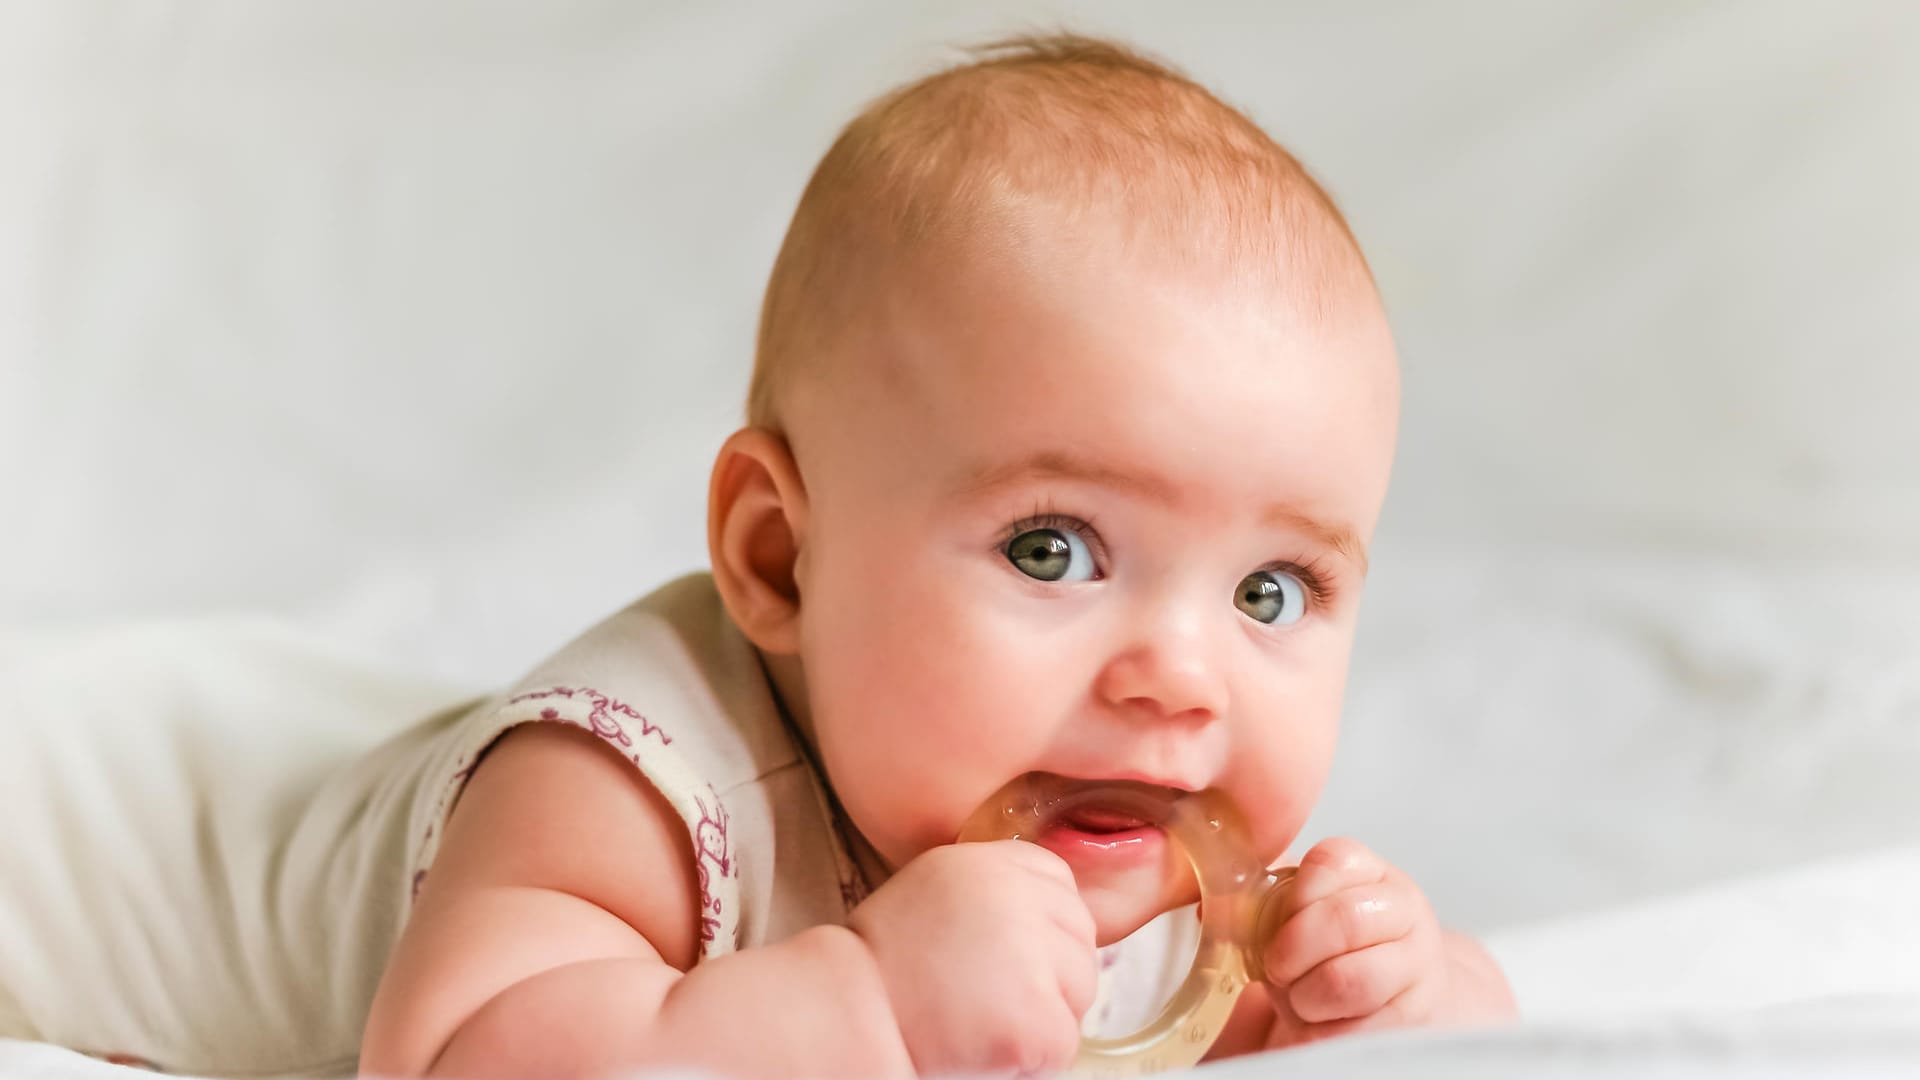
point(419, 324)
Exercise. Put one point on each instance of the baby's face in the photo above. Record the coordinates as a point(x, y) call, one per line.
point(1079, 516)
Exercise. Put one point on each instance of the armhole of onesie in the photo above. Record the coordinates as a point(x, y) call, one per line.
point(643, 744)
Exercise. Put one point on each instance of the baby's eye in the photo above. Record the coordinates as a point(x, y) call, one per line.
point(1271, 596)
point(1051, 555)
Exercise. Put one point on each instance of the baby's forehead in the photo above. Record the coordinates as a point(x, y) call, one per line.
point(1162, 399)
point(1079, 335)
point(1090, 258)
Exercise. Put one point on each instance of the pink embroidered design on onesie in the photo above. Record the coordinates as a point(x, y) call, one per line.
point(600, 721)
point(711, 849)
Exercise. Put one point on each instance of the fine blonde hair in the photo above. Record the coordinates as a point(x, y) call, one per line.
point(1062, 121)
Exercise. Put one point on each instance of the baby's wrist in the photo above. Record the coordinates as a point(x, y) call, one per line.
point(1477, 991)
point(856, 974)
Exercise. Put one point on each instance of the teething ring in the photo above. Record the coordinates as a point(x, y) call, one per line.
point(1235, 888)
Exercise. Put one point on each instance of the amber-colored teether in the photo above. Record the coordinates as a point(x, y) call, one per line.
point(1236, 890)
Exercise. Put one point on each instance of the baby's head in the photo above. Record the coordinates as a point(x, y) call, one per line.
point(1073, 414)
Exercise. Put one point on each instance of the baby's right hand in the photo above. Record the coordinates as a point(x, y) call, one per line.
point(987, 953)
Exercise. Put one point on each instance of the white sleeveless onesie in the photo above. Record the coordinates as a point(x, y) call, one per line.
point(214, 851)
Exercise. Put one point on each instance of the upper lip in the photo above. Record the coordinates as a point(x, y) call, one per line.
point(1129, 776)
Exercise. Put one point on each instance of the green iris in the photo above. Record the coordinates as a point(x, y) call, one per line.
point(1042, 554)
point(1267, 597)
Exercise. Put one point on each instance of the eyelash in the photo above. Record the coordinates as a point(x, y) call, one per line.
point(1318, 583)
point(1310, 573)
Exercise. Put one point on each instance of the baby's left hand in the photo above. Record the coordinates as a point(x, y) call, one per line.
point(1359, 948)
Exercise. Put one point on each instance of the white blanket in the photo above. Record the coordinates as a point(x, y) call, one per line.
point(1849, 1039)
point(1814, 937)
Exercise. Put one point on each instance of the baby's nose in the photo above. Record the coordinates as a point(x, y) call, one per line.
point(1174, 675)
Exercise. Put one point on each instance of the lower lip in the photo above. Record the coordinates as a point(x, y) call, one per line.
point(1104, 848)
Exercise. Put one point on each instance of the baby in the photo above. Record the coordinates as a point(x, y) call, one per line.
point(1073, 414)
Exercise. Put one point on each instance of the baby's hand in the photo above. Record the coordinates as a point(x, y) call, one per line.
point(987, 953)
point(1359, 948)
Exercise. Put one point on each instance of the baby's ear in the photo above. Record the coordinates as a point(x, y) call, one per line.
point(756, 518)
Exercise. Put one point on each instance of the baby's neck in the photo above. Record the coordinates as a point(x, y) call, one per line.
point(787, 680)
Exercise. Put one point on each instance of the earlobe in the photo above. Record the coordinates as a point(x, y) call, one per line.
point(756, 522)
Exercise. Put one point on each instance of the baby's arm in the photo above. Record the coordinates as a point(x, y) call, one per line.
point(557, 936)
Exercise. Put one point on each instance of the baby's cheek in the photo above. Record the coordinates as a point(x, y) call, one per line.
point(925, 738)
point(1278, 778)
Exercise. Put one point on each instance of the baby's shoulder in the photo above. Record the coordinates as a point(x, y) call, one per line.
point(669, 679)
point(669, 691)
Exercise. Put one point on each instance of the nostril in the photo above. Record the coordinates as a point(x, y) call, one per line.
point(1156, 710)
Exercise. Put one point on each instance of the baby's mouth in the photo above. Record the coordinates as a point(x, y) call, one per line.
point(1113, 834)
point(1102, 834)
point(1075, 814)
point(1091, 822)
point(1097, 820)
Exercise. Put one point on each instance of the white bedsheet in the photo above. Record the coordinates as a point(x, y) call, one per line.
point(1846, 1039)
point(1813, 937)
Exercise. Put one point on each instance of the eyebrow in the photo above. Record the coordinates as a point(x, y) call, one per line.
point(1058, 465)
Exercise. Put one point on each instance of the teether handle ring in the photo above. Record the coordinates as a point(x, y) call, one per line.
point(1235, 890)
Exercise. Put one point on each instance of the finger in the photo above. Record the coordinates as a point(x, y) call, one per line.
point(1074, 919)
point(1036, 860)
point(1062, 1048)
point(1300, 1033)
point(1056, 891)
point(1348, 921)
point(1329, 866)
point(1029, 1034)
point(1354, 984)
point(1077, 969)
point(1412, 1007)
